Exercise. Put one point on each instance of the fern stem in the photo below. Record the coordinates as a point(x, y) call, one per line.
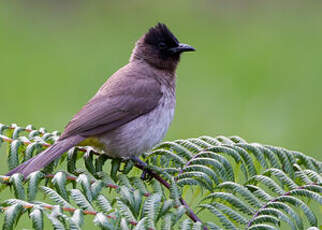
point(71, 210)
point(26, 129)
point(73, 178)
point(144, 167)
point(5, 180)
point(46, 145)
point(9, 140)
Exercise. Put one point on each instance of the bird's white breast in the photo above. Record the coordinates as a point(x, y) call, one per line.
point(144, 132)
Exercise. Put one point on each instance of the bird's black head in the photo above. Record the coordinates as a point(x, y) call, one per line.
point(160, 47)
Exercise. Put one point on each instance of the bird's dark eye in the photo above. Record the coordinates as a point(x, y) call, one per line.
point(162, 45)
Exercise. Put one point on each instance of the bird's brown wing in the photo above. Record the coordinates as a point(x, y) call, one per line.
point(117, 102)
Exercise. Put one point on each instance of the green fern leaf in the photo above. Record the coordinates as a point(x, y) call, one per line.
point(298, 203)
point(166, 223)
point(103, 203)
point(223, 219)
point(125, 211)
point(37, 218)
point(241, 190)
point(151, 208)
point(278, 214)
point(54, 196)
point(12, 214)
point(13, 153)
point(262, 227)
point(186, 224)
point(96, 188)
point(85, 183)
point(266, 219)
point(232, 200)
point(102, 221)
point(54, 218)
point(59, 181)
point(80, 200)
point(204, 169)
point(78, 218)
point(287, 209)
point(142, 224)
point(229, 212)
point(124, 224)
point(34, 180)
point(16, 180)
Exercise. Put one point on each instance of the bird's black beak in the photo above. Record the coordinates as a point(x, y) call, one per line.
point(182, 48)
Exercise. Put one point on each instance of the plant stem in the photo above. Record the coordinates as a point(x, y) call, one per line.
point(73, 178)
point(71, 210)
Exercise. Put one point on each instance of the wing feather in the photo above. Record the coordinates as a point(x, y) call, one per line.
point(120, 100)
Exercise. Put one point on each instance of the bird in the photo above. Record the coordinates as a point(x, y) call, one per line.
point(132, 110)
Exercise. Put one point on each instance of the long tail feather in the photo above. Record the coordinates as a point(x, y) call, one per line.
point(46, 157)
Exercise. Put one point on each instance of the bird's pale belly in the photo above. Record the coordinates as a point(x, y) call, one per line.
point(141, 134)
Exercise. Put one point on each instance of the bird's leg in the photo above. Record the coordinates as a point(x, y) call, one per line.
point(144, 166)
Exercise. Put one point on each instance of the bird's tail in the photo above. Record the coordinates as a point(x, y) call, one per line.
point(47, 156)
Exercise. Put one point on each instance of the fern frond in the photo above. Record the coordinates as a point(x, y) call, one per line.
point(235, 184)
point(232, 200)
point(223, 219)
point(54, 196)
point(12, 214)
point(37, 218)
point(80, 200)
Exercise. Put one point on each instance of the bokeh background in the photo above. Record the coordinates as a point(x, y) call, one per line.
point(257, 72)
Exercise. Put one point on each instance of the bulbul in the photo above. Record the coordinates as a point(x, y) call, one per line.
point(132, 111)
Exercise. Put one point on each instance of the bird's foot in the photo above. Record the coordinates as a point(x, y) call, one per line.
point(144, 167)
point(146, 176)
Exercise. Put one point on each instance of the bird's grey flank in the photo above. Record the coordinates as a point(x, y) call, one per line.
point(132, 111)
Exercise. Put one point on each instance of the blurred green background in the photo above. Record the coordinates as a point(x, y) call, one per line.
point(256, 73)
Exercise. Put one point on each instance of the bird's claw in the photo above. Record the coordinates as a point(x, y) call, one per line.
point(146, 176)
point(144, 166)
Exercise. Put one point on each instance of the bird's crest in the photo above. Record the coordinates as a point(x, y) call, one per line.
point(160, 33)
